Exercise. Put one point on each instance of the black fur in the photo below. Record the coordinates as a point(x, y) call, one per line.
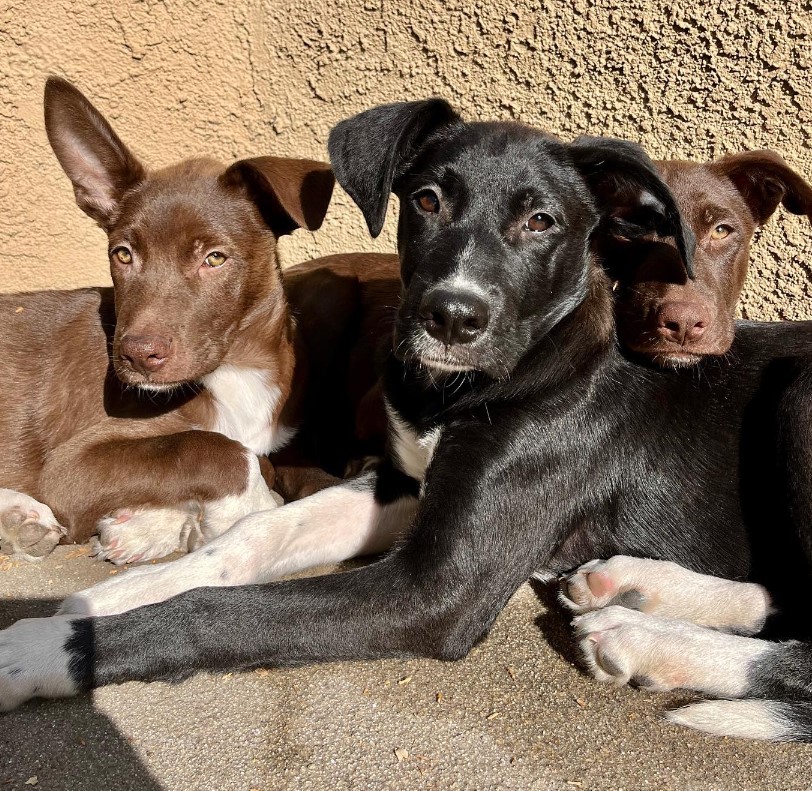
point(555, 448)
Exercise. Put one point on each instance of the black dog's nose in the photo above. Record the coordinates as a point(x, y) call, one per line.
point(454, 316)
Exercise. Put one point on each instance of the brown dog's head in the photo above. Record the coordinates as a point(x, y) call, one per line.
point(675, 321)
point(192, 246)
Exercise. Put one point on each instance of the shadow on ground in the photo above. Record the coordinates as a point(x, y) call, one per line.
point(65, 745)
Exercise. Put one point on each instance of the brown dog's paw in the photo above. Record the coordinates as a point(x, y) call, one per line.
point(28, 529)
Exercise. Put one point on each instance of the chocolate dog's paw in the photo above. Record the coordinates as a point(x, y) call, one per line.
point(138, 534)
point(28, 528)
point(664, 588)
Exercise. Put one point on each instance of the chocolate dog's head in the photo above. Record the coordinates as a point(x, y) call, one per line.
point(192, 246)
point(497, 223)
point(676, 321)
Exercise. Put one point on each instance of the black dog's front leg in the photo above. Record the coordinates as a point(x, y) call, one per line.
point(436, 595)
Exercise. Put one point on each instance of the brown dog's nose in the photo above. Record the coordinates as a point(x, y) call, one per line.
point(454, 316)
point(682, 322)
point(146, 353)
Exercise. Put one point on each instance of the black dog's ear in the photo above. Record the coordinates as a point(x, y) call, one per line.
point(100, 167)
point(764, 180)
point(290, 193)
point(372, 149)
point(632, 196)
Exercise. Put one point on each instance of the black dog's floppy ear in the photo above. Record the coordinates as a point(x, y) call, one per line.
point(100, 167)
point(631, 194)
point(371, 149)
point(289, 193)
point(764, 180)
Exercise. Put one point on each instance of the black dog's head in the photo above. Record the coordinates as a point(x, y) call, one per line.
point(497, 224)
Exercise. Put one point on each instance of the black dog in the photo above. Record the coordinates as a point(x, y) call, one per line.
point(521, 438)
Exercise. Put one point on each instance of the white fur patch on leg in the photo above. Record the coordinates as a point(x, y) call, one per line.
point(746, 719)
point(621, 646)
point(330, 526)
point(138, 534)
point(28, 528)
point(667, 589)
point(220, 515)
point(34, 662)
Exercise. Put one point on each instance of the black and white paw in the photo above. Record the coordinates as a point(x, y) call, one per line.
point(663, 588)
point(28, 528)
point(35, 662)
point(623, 646)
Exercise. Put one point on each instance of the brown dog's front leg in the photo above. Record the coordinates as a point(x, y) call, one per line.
point(83, 482)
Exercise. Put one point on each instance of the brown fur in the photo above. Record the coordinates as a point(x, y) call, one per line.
point(80, 433)
point(676, 321)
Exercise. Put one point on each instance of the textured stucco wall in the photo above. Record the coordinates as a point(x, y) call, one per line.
point(242, 77)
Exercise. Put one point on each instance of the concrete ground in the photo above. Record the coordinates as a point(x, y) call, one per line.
point(516, 714)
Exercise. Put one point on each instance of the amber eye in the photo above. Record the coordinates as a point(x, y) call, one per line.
point(538, 223)
point(721, 232)
point(122, 255)
point(428, 201)
point(215, 259)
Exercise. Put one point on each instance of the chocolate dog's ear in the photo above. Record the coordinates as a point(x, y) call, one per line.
point(630, 193)
point(372, 149)
point(764, 180)
point(289, 193)
point(100, 167)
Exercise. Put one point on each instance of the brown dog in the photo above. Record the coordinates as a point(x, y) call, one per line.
point(675, 321)
point(108, 423)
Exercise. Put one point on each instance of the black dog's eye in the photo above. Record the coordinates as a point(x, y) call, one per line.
point(538, 223)
point(428, 201)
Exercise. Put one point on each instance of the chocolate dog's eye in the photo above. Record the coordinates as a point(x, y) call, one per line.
point(538, 223)
point(428, 201)
point(122, 255)
point(215, 259)
point(721, 232)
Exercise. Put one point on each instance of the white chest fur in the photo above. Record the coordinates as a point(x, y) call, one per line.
point(246, 402)
point(412, 452)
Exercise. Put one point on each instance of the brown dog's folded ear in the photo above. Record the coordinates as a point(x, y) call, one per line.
point(764, 180)
point(289, 193)
point(372, 149)
point(100, 167)
point(630, 193)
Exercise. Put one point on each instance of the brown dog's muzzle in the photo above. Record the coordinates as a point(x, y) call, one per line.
point(145, 354)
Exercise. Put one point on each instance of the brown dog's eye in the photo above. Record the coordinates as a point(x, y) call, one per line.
point(122, 255)
point(428, 201)
point(721, 232)
point(215, 259)
point(538, 223)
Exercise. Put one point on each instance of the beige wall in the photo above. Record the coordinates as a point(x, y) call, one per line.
point(242, 77)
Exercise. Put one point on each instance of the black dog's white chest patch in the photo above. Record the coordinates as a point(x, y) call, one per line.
point(411, 452)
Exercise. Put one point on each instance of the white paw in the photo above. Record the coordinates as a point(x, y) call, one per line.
point(667, 589)
point(34, 662)
point(28, 528)
point(622, 646)
point(138, 534)
point(620, 580)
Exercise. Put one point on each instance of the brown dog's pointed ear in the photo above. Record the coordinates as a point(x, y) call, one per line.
point(100, 167)
point(290, 193)
point(764, 180)
point(372, 149)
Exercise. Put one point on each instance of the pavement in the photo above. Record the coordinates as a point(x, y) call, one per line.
point(516, 715)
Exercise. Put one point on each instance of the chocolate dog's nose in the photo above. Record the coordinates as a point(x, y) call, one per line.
point(682, 322)
point(454, 316)
point(146, 353)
